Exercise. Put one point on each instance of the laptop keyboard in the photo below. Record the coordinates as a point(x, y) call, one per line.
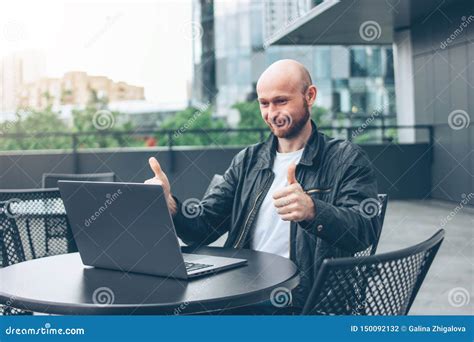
point(193, 266)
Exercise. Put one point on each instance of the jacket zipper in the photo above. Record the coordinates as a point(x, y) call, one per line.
point(247, 220)
point(243, 232)
point(310, 191)
point(291, 222)
point(289, 249)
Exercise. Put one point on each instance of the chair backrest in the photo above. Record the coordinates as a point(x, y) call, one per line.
point(380, 217)
point(50, 180)
point(214, 181)
point(33, 224)
point(383, 284)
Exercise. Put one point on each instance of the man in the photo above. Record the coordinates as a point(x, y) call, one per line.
point(298, 194)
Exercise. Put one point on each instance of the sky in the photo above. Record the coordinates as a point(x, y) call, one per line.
point(144, 43)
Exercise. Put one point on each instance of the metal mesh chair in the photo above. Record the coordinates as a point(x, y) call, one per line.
point(50, 180)
point(384, 284)
point(383, 200)
point(33, 224)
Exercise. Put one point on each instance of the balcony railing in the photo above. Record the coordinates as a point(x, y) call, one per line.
point(346, 132)
point(169, 138)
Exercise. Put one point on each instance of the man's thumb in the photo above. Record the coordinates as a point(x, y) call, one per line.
point(155, 166)
point(292, 174)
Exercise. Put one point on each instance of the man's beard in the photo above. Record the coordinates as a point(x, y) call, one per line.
point(295, 126)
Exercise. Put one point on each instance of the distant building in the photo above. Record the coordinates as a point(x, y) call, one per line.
point(10, 82)
point(278, 13)
point(16, 69)
point(354, 80)
point(145, 115)
point(75, 88)
point(434, 73)
point(204, 80)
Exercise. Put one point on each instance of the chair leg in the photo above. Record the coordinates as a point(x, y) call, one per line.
point(46, 235)
point(30, 241)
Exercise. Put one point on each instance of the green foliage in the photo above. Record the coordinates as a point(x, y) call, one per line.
point(193, 119)
point(364, 137)
point(94, 119)
point(320, 116)
point(250, 117)
point(28, 122)
point(392, 135)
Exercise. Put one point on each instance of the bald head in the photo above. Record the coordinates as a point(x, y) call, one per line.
point(286, 95)
point(286, 72)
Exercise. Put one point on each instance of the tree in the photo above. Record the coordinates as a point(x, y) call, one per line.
point(320, 116)
point(193, 119)
point(30, 122)
point(94, 118)
point(250, 117)
point(99, 120)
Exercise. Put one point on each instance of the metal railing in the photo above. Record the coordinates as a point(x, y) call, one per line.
point(171, 134)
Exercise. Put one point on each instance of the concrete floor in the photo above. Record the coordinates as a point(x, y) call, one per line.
point(410, 222)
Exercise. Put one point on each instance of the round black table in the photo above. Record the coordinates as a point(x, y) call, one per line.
point(61, 284)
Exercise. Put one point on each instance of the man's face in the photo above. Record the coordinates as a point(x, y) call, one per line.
point(284, 108)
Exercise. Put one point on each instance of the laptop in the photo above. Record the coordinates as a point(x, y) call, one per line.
point(128, 227)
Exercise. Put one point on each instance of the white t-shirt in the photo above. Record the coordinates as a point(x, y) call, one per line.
point(271, 233)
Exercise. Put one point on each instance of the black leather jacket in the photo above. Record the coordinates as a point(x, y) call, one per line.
point(338, 175)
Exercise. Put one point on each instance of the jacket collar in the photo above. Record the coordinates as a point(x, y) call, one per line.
point(267, 153)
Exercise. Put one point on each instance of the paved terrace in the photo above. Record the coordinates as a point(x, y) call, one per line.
point(408, 222)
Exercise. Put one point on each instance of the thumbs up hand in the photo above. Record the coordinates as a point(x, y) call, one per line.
point(291, 177)
point(291, 202)
point(160, 178)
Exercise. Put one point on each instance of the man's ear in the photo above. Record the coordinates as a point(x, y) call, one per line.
point(311, 94)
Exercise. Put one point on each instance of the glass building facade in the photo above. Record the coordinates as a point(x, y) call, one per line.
point(353, 81)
